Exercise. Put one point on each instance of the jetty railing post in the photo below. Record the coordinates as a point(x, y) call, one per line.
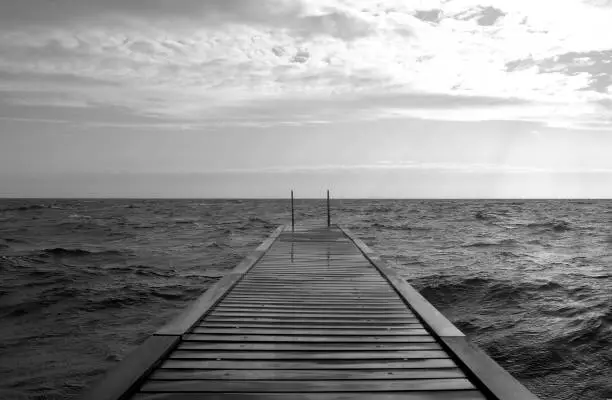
point(328, 212)
point(292, 214)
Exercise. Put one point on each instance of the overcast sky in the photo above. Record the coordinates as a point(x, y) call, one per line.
point(250, 98)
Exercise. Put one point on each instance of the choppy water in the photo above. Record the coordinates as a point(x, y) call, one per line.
point(84, 281)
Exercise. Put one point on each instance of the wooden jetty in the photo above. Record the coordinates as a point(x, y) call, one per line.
point(311, 314)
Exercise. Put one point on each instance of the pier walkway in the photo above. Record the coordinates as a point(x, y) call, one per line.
point(310, 314)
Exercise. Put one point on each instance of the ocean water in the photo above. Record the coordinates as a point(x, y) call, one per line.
point(83, 282)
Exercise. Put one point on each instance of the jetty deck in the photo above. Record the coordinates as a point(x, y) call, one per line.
point(310, 314)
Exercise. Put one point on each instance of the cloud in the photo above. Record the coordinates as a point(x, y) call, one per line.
point(299, 16)
point(597, 64)
point(200, 60)
point(489, 16)
point(429, 15)
point(61, 11)
point(301, 56)
point(483, 16)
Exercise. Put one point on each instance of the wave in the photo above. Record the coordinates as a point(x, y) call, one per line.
point(168, 295)
point(500, 243)
point(258, 222)
point(404, 227)
point(445, 291)
point(392, 227)
point(214, 244)
point(142, 270)
point(184, 221)
point(582, 321)
point(26, 208)
point(12, 240)
point(63, 252)
point(379, 209)
point(509, 254)
point(110, 301)
point(558, 226)
point(484, 216)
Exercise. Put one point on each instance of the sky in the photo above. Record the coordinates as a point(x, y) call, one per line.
point(253, 98)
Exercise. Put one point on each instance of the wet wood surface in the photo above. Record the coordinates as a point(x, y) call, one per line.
point(313, 318)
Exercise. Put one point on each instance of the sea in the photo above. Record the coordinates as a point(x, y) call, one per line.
point(83, 282)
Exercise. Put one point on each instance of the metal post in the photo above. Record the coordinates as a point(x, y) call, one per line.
point(328, 212)
point(292, 214)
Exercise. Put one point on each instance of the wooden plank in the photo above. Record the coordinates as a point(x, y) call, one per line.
point(313, 295)
point(307, 329)
point(317, 262)
point(316, 259)
point(316, 293)
point(305, 302)
point(373, 331)
point(294, 291)
point(280, 253)
point(318, 278)
point(331, 266)
point(321, 281)
point(334, 325)
point(315, 279)
point(393, 365)
point(294, 314)
point(308, 355)
point(306, 307)
point(209, 321)
point(311, 318)
point(333, 301)
point(196, 310)
point(290, 288)
point(315, 276)
point(325, 374)
point(199, 345)
point(432, 317)
point(330, 302)
point(314, 339)
point(131, 370)
point(260, 274)
point(413, 395)
point(284, 286)
point(314, 320)
point(331, 271)
point(348, 280)
point(489, 375)
point(307, 386)
point(310, 308)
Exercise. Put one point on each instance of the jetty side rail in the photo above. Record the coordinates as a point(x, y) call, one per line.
point(120, 381)
point(489, 376)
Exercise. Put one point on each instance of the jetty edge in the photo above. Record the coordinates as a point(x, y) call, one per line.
point(490, 376)
point(120, 380)
point(312, 313)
